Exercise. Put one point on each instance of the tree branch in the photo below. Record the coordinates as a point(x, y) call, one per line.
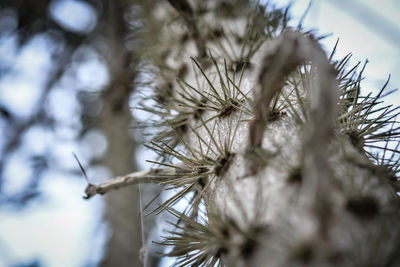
point(153, 175)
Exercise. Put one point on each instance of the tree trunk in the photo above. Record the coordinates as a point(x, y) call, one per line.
point(122, 211)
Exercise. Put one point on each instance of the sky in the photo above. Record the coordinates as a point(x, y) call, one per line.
point(41, 232)
point(360, 34)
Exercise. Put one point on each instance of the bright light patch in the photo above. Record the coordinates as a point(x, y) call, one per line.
point(54, 231)
point(17, 173)
point(37, 140)
point(63, 105)
point(20, 96)
point(94, 144)
point(62, 154)
point(75, 16)
point(21, 88)
point(92, 75)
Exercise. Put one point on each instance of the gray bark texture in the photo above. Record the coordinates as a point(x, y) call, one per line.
point(122, 211)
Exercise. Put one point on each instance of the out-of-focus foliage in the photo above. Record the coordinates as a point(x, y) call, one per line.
point(56, 65)
point(67, 71)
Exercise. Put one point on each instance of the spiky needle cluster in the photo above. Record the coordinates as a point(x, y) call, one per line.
point(274, 141)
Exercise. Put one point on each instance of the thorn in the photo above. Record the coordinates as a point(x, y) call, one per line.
point(81, 167)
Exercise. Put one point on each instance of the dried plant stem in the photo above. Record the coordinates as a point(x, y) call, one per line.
point(153, 175)
point(294, 49)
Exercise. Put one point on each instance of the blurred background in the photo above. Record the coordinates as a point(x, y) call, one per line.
point(69, 82)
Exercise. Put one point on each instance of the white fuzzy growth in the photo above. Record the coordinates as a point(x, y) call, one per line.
point(266, 197)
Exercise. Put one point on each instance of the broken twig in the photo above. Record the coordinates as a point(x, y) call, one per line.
point(153, 175)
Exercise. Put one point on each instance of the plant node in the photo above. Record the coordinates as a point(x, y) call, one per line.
point(238, 66)
point(303, 253)
point(223, 163)
point(275, 115)
point(365, 207)
point(295, 176)
point(231, 105)
point(357, 140)
point(199, 109)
